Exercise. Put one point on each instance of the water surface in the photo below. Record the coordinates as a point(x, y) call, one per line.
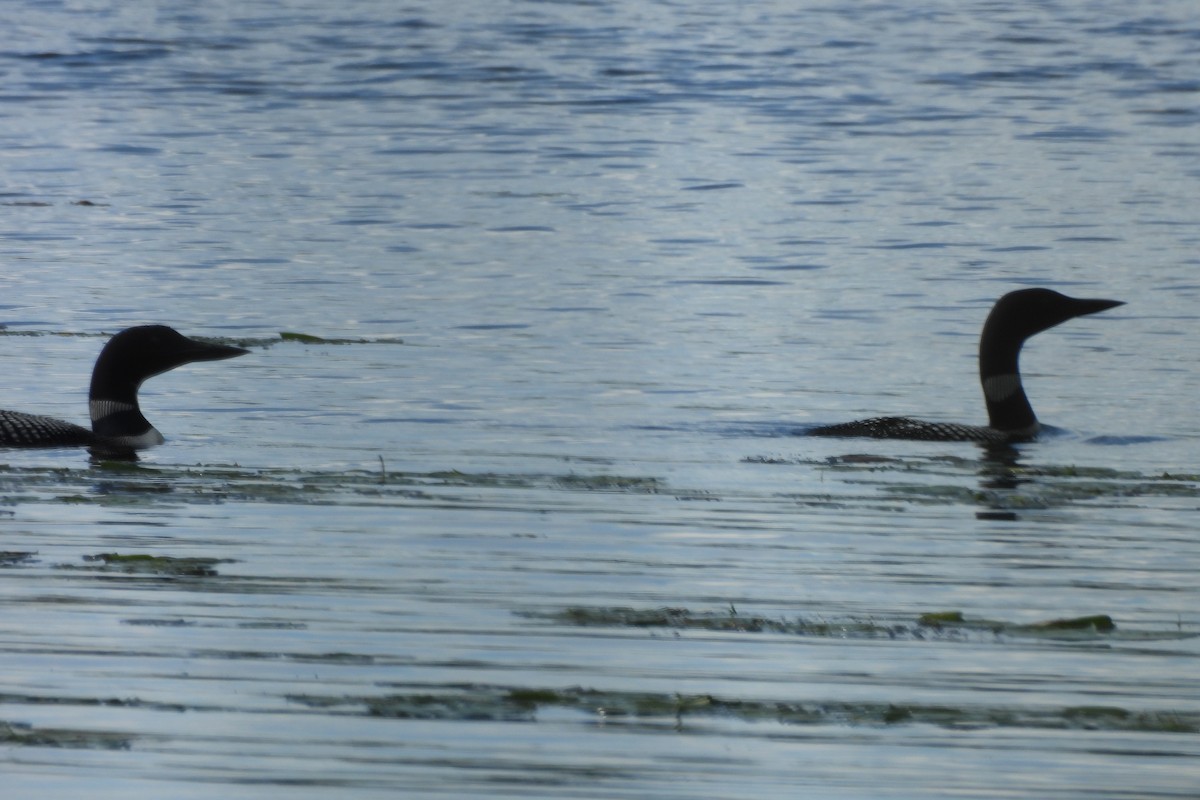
point(529, 516)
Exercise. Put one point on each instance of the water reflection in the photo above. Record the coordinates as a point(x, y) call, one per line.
point(999, 471)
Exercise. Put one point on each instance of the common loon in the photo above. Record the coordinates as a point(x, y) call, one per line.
point(118, 427)
point(1015, 317)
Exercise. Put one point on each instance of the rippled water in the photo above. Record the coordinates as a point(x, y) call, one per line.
point(522, 513)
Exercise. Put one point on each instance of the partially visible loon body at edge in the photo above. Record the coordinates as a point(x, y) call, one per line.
point(1015, 317)
point(118, 427)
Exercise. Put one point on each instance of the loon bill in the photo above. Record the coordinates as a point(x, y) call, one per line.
point(1015, 317)
point(118, 427)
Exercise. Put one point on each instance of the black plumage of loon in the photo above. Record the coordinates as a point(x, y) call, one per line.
point(118, 427)
point(1015, 317)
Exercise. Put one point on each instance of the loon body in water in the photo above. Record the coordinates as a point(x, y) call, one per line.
point(118, 427)
point(1015, 317)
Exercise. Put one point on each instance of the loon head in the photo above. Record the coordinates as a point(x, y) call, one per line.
point(1025, 312)
point(1015, 317)
point(129, 358)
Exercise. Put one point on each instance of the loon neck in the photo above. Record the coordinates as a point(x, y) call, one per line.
point(117, 419)
point(1000, 376)
point(120, 423)
point(113, 403)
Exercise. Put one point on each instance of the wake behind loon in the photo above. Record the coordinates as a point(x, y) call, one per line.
point(1015, 317)
point(118, 427)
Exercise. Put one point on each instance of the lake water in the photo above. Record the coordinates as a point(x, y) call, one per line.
point(523, 512)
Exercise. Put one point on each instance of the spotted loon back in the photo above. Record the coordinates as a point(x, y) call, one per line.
point(129, 358)
point(914, 430)
point(33, 430)
point(1014, 318)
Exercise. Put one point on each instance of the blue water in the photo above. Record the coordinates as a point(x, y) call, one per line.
point(583, 269)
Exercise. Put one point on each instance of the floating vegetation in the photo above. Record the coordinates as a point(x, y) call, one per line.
point(307, 338)
point(20, 734)
point(998, 481)
point(142, 564)
point(996, 492)
point(1095, 623)
point(241, 341)
point(284, 336)
point(936, 619)
point(23, 734)
point(475, 702)
point(941, 624)
point(89, 702)
point(508, 704)
point(10, 558)
point(303, 338)
point(120, 483)
point(610, 483)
